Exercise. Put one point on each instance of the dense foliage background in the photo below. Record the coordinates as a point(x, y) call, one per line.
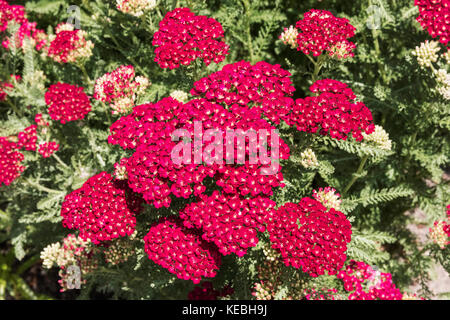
point(381, 187)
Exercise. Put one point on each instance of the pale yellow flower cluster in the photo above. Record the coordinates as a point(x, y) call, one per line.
point(135, 7)
point(309, 159)
point(379, 137)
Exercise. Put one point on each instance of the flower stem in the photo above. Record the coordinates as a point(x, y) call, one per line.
point(58, 159)
point(356, 175)
point(85, 74)
point(41, 187)
point(15, 109)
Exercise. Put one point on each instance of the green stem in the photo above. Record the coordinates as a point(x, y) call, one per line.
point(15, 109)
point(355, 176)
point(85, 74)
point(40, 187)
point(58, 159)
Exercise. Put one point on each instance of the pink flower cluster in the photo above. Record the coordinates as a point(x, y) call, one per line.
point(102, 209)
point(10, 13)
point(115, 85)
point(16, 14)
point(69, 44)
point(332, 111)
point(183, 37)
point(206, 291)
point(151, 170)
point(230, 222)
point(67, 102)
point(264, 87)
point(27, 30)
point(181, 251)
point(365, 283)
point(28, 138)
point(120, 88)
point(309, 236)
point(46, 149)
point(320, 31)
point(434, 17)
point(10, 162)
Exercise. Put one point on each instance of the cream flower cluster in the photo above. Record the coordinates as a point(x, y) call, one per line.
point(180, 96)
point(328, 197)
point(270, 253)
point(427, 53)
point(309, 159)
point(438, 234)
point(379, 137)
point(63, 255)
point(289, 37)
point(443, 80)
point(135, 7)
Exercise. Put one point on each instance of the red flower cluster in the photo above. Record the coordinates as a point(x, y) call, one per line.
point(102, 209)
point(309, 236)
point(320, 31)
point(46, 149)
point(181, 251)
point(9, 13)
point(333, 111)
point(367, 283)
point(231, 222)
point(29, 30)
point(67, 102)
point(28, 138)
point(153, 173)
point(205, 291)
point(183, 37)
point(264, 87)
point(69, 44)
point(10, 159)
point(40, 121)
point(434, 17)
point(16, 14)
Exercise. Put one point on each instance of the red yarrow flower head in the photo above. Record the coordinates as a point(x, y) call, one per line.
point(10, 162)
point(366, 283)
point(102, 209)
point(184, 37)
point(69, 45)
point(320, 31)
point(27, 139)
point(27, 30)
point(434, 17)
point(310, 237)
point(120, 88)
point(11, 13)
point(67, 102)
point(264, 87)
point(151, 169)
point(46, 149)
point(332, 111)
point(181, 251)
point(231, 222)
